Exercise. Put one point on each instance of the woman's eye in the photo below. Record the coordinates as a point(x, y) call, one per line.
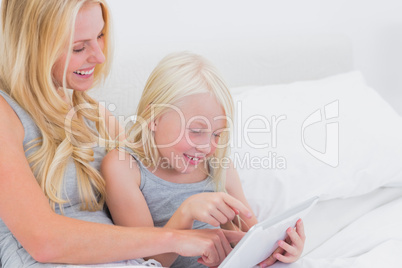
point(101, 35)
point(77, 50)
point(217, 135)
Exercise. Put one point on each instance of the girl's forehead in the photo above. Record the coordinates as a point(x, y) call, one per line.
point(201, 108)
point(202, 104)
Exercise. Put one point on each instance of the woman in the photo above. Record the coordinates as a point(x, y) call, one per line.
point(51, 132)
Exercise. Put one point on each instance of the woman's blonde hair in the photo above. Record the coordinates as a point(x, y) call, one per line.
point(34, 35)
point(176, 76)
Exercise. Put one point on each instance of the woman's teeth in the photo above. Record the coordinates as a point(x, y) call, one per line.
point(86, 72)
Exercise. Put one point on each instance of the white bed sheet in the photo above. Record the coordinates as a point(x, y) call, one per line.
point(331, 216)
point(355, 232)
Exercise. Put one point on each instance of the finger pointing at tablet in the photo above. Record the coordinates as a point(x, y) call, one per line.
point(213, 208)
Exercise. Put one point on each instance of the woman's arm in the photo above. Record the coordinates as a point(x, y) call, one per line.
point(50, 237)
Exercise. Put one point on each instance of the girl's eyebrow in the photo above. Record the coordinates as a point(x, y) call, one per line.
point(202, 124)
point(199, 122)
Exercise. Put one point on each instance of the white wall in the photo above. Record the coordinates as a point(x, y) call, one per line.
point(374, 26)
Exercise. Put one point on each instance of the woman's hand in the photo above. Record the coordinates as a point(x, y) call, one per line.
point(289, 250)
point(212, 245)
point(213, 208)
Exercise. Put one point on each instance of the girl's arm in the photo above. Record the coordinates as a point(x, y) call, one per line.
point(234, 188)
point(57, 239)
point(288, 251)
point(214, 208)
point(124, 199)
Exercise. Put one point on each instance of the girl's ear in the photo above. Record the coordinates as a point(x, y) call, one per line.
point(152, 125)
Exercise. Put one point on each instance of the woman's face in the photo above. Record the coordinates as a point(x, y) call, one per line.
point(87, 51)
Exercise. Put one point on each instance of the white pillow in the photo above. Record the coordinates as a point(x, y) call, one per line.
point(363, 135)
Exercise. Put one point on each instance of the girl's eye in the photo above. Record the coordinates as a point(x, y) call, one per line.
point(195, 131)
point(78, 50)
point(101, 35)
point(217, 135)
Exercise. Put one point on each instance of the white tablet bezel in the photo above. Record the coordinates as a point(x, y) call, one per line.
point(261, 240)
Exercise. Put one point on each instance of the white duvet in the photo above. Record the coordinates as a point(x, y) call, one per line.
point(373, 240)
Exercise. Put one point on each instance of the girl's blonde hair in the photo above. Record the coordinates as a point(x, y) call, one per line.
point(176, 76)
point(33, 35)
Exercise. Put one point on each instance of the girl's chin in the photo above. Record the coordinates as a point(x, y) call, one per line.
point(187, 171)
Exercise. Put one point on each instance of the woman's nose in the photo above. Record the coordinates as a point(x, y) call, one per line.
point(97, 54)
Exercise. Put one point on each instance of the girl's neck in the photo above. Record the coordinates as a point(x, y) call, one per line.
point(171, 175)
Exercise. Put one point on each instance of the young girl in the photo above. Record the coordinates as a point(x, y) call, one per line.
point(178, 174)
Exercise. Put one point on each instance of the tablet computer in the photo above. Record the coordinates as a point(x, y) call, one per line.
point(261, 240)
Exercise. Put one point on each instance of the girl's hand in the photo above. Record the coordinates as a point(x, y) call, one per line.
point(290, 249)
point(213, 208)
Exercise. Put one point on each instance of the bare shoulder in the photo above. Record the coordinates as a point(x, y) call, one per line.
point(118, 164)
point(11, 129)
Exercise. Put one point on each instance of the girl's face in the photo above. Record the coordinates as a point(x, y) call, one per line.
point(188, 133)
point(87, 51)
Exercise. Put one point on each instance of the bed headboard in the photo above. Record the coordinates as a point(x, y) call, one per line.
point(273, 60)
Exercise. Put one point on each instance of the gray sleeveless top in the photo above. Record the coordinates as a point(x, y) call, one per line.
point(11, 252)
point(164, 198)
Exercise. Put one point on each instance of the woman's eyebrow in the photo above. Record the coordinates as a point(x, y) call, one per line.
point(87, 40)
